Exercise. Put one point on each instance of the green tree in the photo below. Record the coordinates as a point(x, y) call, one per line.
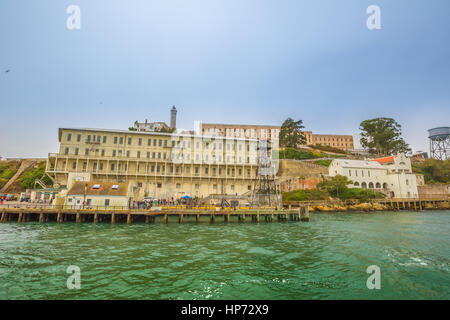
point(382, 136)
point(335, 186)
point(291, 135)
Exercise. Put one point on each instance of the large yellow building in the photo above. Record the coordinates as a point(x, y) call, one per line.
point(160, 165)
point(272, 133)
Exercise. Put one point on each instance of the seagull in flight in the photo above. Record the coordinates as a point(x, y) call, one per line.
point(7, 71)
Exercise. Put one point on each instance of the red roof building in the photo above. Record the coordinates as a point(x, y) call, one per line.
point(384, 160)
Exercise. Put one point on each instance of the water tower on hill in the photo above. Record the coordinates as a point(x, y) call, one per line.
point(439, 143)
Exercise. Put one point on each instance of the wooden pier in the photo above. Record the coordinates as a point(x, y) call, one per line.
point(21, 215)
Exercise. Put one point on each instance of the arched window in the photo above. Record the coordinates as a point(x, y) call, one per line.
point(385, 185)
point(378, 185)
point(356, 184)
point(370, 185)
point(364, 185)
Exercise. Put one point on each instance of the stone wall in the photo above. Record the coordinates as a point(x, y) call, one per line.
point(297, 168)
point(296, 174)
point(431, 191)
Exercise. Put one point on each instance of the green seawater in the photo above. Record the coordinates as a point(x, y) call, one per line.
point(325, 258)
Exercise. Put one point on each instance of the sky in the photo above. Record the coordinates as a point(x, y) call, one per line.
point(227, 61)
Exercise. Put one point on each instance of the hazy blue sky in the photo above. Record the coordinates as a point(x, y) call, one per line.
point(234, 61)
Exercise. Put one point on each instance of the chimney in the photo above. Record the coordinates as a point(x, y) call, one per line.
point(173, 117)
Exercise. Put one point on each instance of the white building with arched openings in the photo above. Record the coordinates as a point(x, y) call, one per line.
point(391, 175)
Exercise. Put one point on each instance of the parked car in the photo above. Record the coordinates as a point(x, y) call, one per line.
point(11, 197)
point(3, 196)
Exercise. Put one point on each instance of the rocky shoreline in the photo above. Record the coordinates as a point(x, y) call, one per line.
point(367, 207)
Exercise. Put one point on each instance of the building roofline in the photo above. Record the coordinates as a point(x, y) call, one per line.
point(241, 125)
point(151, 133)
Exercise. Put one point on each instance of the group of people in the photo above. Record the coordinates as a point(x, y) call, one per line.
point(146, 204)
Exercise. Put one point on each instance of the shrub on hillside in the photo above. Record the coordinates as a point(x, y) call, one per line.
point(327, 148)
point(325, 163)
point(7, 170)
point(305, 195)
point(433, 170)
point(362, 195)
point(296, 154)
point(28, 178)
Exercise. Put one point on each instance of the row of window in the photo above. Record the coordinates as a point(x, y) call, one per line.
point(159, 142)
point(332, 139)
point(157, 155)
point(356, 173)
point(162, 168)
point(371, 185)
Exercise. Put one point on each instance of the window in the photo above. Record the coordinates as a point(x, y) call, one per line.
point(138, 154)
point(121, 140)
point(86, 152)
point(214, 186)
point(115, 140)
point(79, 138)
point(103, 152)
point(148, 154)
point(178, 186)
point(104, 139)
point(129, 140)
point(74, 165)
point(149, 142)
point(101, 166)
point(140, 141)
point(159, 184)
point(106, 202)
point(112, 166)
point(197, 186)
point(114, 153)
point(139, 184)
point(66, 150)
point(69, 137)
point(154, 142)
point(128, 153)
point(160, 142)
